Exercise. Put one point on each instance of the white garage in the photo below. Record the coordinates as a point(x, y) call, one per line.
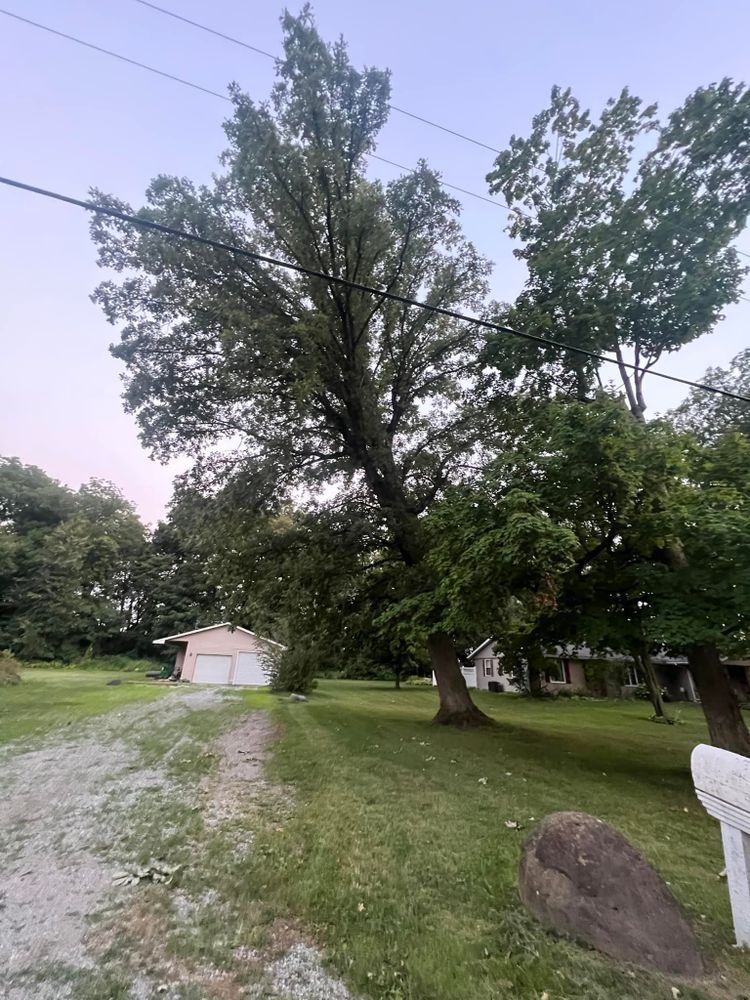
point(249, 669)
point(222, 654)
point(212, 668)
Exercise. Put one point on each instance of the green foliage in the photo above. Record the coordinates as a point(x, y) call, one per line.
point(709, 416)
point(62, 585)
point(79, 572)
point(317, 385)
point(624, 255)
point(294, 668)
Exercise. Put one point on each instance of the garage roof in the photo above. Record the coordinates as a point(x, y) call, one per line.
point(207, 628)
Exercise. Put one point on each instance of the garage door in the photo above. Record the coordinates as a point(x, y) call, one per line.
point(249, 669)
point(212, 669)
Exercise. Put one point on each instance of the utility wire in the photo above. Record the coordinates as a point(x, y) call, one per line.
point(216, 93)
point(270, 55)
point(383, 293)
point(402, 111)
point(225, 97)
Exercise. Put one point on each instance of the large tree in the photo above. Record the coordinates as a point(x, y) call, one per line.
point(634, 257)
point(321, 389)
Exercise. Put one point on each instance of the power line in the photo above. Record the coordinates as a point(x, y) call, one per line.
point(402, 111)
point(115, 55)
point(225, 97)
point(216, 93)
point(269, 55)
point(359, 286)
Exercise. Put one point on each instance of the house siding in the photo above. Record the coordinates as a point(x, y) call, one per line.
point(577, 676)
point(486, 652)
point(221, 642)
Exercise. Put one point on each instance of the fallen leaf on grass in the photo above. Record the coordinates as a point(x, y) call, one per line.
point(512, 824)
point(482, 781)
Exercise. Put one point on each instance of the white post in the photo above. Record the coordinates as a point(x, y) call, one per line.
point(737, 857)
point(722, 783)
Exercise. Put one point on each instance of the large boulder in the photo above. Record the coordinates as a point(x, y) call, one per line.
point(581, 878)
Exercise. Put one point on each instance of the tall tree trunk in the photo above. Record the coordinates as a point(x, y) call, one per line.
point(726, 726)
point(721, 708)
point(535, 665)
point(644, 661)
point(456, 706)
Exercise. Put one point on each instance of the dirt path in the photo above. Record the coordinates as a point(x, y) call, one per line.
point(69, 804)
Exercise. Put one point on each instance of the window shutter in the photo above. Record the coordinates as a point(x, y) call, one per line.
point(566, 671)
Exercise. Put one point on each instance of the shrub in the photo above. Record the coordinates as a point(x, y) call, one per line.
point(10, 672)
point(292, 669)
point(416, 681)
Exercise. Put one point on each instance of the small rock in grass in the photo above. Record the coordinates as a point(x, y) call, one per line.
point(581, 878)
point(114, 682)
point(297, 697)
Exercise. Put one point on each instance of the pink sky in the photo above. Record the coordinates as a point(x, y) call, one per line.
point(73, 119)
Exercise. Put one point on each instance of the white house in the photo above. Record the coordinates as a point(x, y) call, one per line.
point(565, 671)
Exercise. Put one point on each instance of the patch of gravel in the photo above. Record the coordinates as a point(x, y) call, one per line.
point(56, 816)
point(300, 975)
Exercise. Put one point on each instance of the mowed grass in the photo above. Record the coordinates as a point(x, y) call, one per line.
point(398, 858)
point(49, 699)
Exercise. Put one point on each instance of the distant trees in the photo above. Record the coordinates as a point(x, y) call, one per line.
point(708, 416)
point(79, 572)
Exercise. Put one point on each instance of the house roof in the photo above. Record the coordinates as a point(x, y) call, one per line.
point(584, 653)
point(235, 628)
point(481, 645)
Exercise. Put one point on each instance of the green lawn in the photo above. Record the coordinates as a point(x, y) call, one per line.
point(395, 856)
point(48, 699)
point(398, 858)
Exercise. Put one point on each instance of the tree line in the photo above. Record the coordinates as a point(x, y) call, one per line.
point(375, 480)
point(80, 574)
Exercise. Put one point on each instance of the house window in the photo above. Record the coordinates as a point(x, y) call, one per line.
point(558, 672)
point(632, 677)
point(489, 668)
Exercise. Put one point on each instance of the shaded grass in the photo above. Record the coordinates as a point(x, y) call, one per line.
point(398, 856)
point(48, 699)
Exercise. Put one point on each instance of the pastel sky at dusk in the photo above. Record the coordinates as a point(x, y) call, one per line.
point(73, 119)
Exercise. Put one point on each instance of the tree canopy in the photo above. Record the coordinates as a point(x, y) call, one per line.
point(311, 383)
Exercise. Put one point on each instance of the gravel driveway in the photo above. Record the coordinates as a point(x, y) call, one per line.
point(55, 822)
point(68, 802)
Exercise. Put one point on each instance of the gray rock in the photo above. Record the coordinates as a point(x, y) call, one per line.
point(581, 878)
point(114, 683)
point(297, 697)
